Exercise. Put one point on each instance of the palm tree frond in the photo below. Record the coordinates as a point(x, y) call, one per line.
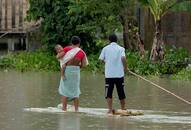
point(166, 5)
point(154, 6)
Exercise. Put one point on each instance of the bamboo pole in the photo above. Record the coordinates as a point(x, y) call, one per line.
point(180, 98)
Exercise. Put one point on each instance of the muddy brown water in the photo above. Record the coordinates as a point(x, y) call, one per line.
point(39, 90)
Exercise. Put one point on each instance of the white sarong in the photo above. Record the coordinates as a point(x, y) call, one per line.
point(70, 87)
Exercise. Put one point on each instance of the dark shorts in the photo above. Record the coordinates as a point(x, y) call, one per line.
point(109, 86)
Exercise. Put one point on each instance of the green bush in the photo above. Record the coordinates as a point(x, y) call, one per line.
point(6, 62)
point(27, 61)
point(95, 64)
point(141, 66)
point(174, 62)
point(184, 74)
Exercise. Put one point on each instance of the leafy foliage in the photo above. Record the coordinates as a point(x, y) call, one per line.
point(33, 61)
point(184, 74)
point(141, 66)
point(174, 61)
point(90, 19)
point(105, 14)
point(60, 21)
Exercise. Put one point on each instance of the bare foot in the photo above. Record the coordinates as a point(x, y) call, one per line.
point(64, 110)
point(110, 112)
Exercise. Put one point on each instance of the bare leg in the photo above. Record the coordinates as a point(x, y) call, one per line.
point(76, 104)
point(64, 103)
point(109, 103)
point(63, 72)
point(122, 102)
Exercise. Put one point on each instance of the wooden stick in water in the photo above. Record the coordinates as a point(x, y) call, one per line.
point(180, 98)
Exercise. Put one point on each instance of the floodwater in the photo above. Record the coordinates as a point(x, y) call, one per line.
point(30, 90)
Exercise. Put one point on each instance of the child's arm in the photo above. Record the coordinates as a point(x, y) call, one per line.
point(62, 72)
point(60, 55)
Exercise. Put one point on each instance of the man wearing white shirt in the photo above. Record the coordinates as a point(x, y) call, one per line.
point(114, 58)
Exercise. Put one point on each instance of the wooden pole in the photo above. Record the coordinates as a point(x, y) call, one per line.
point(180, 98)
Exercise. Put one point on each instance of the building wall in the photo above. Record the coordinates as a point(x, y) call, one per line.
point(176, 29)
point(12, 14)
point(13, 24)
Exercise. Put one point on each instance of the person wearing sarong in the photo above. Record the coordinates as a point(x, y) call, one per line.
point(65, 58)
point(74, 59)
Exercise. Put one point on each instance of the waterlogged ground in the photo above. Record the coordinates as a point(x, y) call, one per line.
point(28, 101)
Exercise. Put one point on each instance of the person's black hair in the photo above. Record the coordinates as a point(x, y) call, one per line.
point(112, 38)
point(75, 40)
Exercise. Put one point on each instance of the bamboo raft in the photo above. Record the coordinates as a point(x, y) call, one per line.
point(127, 112)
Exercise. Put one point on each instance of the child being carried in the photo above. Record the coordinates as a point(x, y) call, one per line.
point(60, 56)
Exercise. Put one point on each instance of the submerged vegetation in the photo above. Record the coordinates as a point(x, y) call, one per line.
point(184, 74)
point(29, 61)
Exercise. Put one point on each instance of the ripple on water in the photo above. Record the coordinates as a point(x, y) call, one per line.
point(149, 116)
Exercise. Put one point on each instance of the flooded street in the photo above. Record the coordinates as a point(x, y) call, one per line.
point(39, 90)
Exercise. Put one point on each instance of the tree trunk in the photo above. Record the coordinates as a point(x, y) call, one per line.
point(158, 26)
point(157, 50)
point(124, 22)
point(125, 35)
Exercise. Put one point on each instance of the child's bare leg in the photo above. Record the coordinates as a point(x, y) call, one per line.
point(63, 71)
point(64, 103)
point(76, 104)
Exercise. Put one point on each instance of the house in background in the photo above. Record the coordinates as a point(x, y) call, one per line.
point(15, 31)
point(13, 28)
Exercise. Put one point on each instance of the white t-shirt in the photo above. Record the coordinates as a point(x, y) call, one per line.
point(112, 56)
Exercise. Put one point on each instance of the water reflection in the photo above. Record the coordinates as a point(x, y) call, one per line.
point(116, 124)
point(69, 122)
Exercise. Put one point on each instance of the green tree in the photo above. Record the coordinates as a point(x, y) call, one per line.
point(60, 19)
point(106, 16)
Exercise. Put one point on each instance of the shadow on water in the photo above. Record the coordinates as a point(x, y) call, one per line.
point(39, 90)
